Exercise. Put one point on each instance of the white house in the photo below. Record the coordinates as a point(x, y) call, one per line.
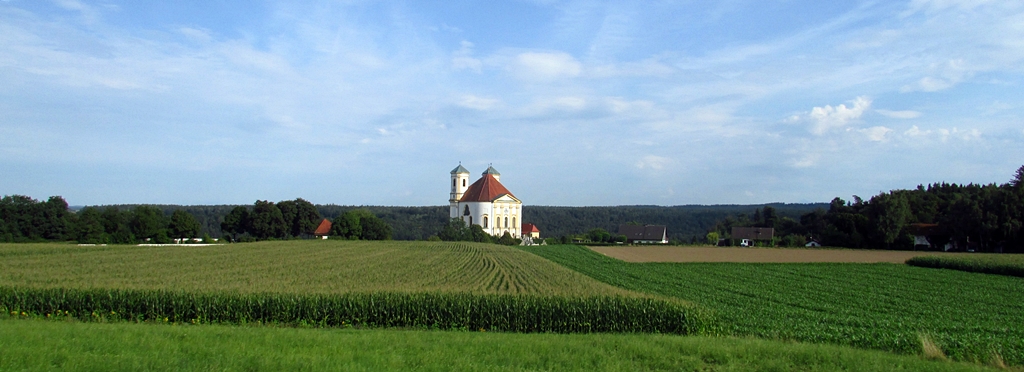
point(485, 202)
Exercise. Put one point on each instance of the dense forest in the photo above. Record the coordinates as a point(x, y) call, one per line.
point(985, 218)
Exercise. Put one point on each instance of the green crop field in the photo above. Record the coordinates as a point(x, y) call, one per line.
point(972, 317)
point(319, 266)
point(1004, 264)
point(331, 284)
point(67, 346)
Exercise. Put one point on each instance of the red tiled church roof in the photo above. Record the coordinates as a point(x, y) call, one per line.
point(486, 189)
point(530, 228)
point(324, 228)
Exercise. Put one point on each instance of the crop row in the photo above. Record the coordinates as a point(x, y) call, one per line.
point(491, 312)
point(1011, 265)
point(879, 306)
point(305, 267)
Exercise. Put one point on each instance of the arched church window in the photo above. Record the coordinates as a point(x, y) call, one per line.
point(463, 182)
point(514, 222)
point(466, 211)
point(453, 182)
point(506, 222)
point(485, 221)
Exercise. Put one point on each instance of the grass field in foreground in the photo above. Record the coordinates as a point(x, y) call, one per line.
point(972, 317)
point(56, 345)
point(307, 266)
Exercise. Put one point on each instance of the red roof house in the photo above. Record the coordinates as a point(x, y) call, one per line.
point(323, 229)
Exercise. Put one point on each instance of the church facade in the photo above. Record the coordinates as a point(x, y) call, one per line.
point(485, 202)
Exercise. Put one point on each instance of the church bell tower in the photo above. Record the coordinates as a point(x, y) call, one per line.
point(460, 182)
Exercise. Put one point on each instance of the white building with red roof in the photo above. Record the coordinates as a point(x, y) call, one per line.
point(485, 202)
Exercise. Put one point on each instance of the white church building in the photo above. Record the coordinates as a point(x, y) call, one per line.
point(486, 203)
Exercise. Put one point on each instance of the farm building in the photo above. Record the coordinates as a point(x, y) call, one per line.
point(753, 233)
point(323, 230)
point(647, 234)
point(486, 203)
point(531, 230)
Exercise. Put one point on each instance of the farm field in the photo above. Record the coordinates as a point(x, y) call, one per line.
point(999, 264)
point(58, 345)
point(970, 316)
point(779, 255)
point(320, 266)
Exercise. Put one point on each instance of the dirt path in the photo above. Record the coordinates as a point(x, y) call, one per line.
point(735, 254)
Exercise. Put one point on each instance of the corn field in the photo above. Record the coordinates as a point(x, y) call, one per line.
point(460, 311)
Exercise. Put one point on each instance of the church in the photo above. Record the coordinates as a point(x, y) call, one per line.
point(485, 202)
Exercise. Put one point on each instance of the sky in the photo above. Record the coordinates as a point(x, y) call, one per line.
point(575, 103)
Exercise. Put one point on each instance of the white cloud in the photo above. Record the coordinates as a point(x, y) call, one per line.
point(876, 134)
point(477, 103)
point(463, 59)
point(826, 118)
point(905, 114)
point(914, 131)
point(546, 65)
point(945, 75)
point(653, 162)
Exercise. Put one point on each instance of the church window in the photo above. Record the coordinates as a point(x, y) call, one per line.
point(470, 220)
point(463, 182)
point(466, 212)
point(453, 182)
point(506, 222)
point(485, 221)
point(514, 222)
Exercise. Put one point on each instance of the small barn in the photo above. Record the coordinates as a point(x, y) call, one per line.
point(323, 230)
point(646, 234)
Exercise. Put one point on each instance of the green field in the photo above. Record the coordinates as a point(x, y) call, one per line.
point(1002, 264)
point(310, 266)
point(972, 317)
point(49, 345)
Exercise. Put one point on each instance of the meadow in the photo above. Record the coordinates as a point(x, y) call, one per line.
point(61, 345)
point(969, 316)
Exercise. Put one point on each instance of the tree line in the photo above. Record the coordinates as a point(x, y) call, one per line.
point(298, 219)
point(23, 219)
point(977, 217)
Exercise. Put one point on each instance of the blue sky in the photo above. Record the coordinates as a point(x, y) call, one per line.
point(574, 102)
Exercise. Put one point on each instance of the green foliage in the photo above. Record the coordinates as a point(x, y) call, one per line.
point(712, 238)
point(183, 225)
point(1010, 265)
point(361, 224)
point(149, 223)
point(495, 312)
point(266, 221)
point(878, 306)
